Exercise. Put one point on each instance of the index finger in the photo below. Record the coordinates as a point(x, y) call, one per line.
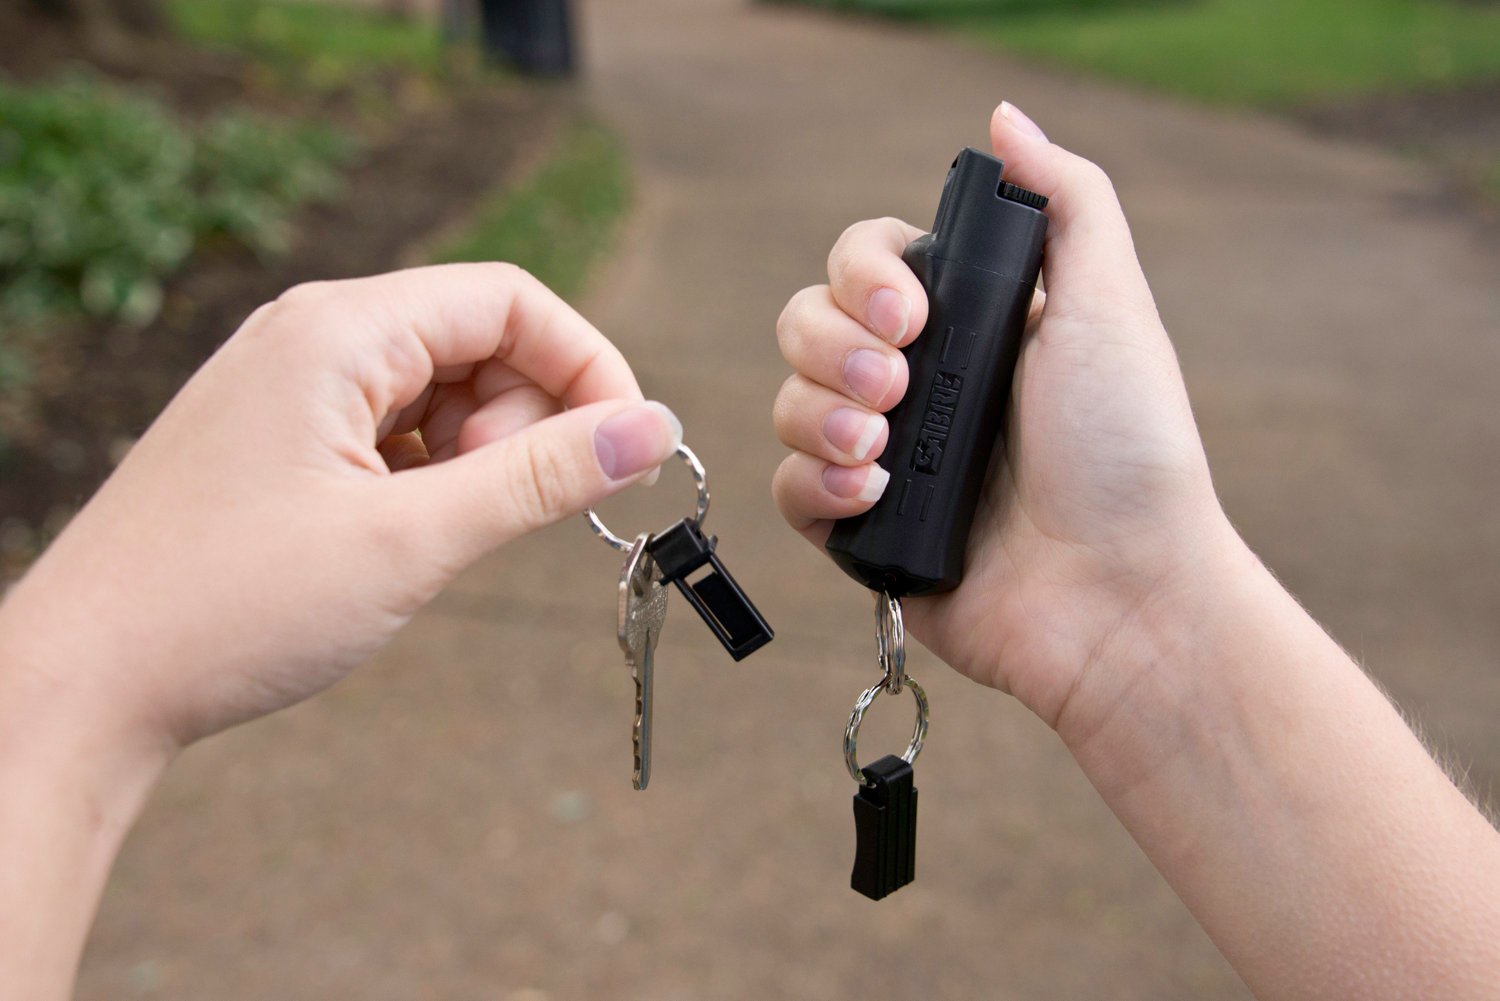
point(400, 328)
point(871, 283)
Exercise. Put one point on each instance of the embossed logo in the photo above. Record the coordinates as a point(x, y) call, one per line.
point(937, 422)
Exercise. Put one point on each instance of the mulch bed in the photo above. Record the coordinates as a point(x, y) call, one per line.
point(100, 385)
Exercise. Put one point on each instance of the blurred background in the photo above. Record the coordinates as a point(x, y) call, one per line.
point(1315, 189)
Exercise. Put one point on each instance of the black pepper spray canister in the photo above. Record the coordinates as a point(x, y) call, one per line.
point(979, 266)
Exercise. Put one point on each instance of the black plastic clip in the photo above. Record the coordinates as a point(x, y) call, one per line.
point(885, 829)
point(682, 550)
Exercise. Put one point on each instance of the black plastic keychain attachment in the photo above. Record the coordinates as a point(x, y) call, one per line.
point(682, 551)
point(885, 808)
point(979, 267)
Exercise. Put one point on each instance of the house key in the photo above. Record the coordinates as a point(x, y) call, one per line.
point(683, 556)
point(643, 609)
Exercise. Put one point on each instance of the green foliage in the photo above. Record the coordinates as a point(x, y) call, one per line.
point(103, 194)
point(251, 173)
point(323, 46)
point(91, 201)
point(952, 10)
point(559, 222)
point(1262, 52)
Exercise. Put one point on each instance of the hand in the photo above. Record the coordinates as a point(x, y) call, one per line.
point(1103, 503)
point(350, 449)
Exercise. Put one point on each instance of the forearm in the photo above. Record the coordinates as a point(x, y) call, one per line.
point(71, 783)
point(1287, 803)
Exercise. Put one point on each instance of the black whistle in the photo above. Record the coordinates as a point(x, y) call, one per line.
point(717, 597)
point(979, 266)
point(885, 829)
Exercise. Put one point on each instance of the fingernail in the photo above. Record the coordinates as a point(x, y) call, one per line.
point(890, 311)
point(865, 483)
point(636, 440)
point(1021, 120)
point(869, 374)
point(853, 431)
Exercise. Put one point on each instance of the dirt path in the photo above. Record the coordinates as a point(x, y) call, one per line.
point(457, 821)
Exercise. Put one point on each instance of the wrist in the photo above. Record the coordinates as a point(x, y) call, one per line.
point(1282, 796)
point(59, 713)
point(73, 780)
point(1165, 672)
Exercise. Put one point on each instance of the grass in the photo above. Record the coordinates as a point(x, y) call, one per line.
point(1245, 52)
point(559, 222)
point(324, 46)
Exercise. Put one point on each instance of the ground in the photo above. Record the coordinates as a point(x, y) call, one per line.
point(457, 820)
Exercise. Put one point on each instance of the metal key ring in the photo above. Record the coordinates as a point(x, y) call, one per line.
point(851, 732)
point(890, 641)
point(700, 480)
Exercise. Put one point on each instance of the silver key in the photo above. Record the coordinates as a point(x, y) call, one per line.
point(643, 609)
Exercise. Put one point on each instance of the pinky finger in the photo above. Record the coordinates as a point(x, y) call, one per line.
point(810, 493)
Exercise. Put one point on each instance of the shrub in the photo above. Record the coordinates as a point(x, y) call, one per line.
point(104, 194)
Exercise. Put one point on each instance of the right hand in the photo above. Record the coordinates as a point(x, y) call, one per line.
point(1103, 507)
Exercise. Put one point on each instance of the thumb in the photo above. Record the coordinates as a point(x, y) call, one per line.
point(1090, 267)
point(540, 474)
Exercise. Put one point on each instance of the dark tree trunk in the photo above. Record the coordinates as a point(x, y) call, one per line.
point(120, 32)
point(110, 16)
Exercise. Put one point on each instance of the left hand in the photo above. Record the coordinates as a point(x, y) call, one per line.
point(350, 449)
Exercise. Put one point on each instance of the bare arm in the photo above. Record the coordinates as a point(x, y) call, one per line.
point(280, 522)
point(1266, 777)
point(1286, 801)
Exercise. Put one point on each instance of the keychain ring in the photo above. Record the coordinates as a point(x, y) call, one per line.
point(700, 481)
point(890, 641)
point(851, 732)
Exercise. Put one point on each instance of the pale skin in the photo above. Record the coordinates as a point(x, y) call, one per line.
point(1276, 789)
point(280, 522)
point(277, 525)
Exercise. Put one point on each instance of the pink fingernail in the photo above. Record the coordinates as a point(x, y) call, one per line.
point(1021, 120)
point(853, 431)
point(890, 311)
point(636, 440)
point(869, 374)
point(864, 483)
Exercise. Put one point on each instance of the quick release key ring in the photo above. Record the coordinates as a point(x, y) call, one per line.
point(683, 550)
point(890, 644)
point(700, 481)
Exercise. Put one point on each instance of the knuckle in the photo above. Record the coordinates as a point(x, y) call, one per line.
point(788, 408)
point(846, 248)
point(794, 314)
point(849, 234)
point(1092, 176)
point(290, 321)
point(784, 480)
point(540, 494)
point(303, 297)
point(505, 272)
